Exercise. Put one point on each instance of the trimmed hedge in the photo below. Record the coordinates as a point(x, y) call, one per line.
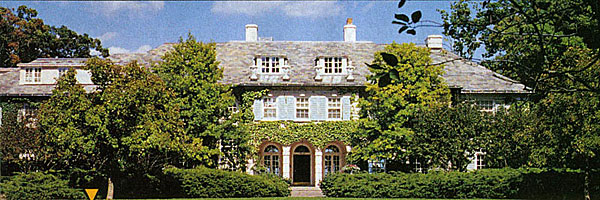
point(38, 185)
point(487, 183)
point(214, 183)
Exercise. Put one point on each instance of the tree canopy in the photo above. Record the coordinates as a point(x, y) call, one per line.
point(550, 46)
point(23, 38)
point(192, 71)
point(404, 81)
point(127, 125)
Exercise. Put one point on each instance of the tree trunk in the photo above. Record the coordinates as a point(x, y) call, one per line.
point(586, 180)
point(110, 190)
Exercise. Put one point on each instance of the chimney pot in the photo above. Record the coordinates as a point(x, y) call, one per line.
point(349, 31)
point(251, 32)
point(434, 42)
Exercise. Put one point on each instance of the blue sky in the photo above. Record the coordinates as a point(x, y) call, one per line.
point(137, 26)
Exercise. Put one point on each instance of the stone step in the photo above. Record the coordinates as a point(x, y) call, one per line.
point(303, 191)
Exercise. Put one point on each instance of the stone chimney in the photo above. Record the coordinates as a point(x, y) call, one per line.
point(251, 32)
point(434, 42)
point(349, 31)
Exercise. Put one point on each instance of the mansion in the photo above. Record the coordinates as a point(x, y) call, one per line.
point(308, 82)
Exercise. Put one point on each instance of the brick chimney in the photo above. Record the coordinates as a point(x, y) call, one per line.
point(251, 32)
point(349, 31)
point(434, 42)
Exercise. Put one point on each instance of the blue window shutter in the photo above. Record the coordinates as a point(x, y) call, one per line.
point(258, 109)
point(291, 107)
point(313, 107)
point(318, 108)
point(281, 108)
point(346, 108)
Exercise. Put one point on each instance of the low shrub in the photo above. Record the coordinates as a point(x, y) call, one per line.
point(214, 183)
point(487, 183)
point(38, 185)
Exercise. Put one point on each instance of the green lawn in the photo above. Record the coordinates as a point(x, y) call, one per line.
point(304, 198)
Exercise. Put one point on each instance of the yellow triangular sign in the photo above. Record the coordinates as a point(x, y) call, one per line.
point(91, 193)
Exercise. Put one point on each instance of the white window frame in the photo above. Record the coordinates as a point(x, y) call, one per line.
point(335, 65)
point(33, 75)
point(304, 105)
point(480, 160)
point(417, 166)
point(270, 64)
point(27, 114)
point(489, 105)
point(270, 104)
point(334, 106)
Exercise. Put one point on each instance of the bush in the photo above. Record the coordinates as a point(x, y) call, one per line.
point(214, 183)
point(38, 185)
point(487, 183)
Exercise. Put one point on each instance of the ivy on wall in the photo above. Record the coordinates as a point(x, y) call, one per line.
point(318, 134)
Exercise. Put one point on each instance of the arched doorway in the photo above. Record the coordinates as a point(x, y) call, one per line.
point(302, 165)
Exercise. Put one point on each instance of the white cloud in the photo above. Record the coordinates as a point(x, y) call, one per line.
point(244, 7)
point(117, 50)
point(144, 49)
point(139, 8)
point(107, 36)
point(295, 9)
point(312, 8)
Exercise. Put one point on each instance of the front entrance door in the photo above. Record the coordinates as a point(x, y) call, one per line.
point(301, 170)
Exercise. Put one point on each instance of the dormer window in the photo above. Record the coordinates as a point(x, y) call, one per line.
point(327, 66)
point(33, 75)
point(270, 65)
point(333, 65)
point(275, 65)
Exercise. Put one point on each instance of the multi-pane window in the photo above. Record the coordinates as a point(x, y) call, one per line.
point(270, 64)
point(33, 75)
point(333, 65)
point(269, 108)
point(62, 71)
point(271, 159)
point(480, 160)
point(27, 114)
point(486, 105)
point(331, 159)
point(334, 108)
point(302, 108)
point(418, 166)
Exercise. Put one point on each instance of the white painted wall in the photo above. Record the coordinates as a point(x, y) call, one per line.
point(50, 75)
point(286, 162)
point(318, 166)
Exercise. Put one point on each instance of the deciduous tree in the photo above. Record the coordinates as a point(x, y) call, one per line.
point(531, 41)
point(404, 81)
point(447, 137)
point(192, 71)
point(23, 38)
point(127, 124)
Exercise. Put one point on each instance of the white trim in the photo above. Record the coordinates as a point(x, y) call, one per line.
point(273, 106)
point(339, 99)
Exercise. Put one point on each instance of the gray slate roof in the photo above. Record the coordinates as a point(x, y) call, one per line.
point(236, 57)
point(9, 83)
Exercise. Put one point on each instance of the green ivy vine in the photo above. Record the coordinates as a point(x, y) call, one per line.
point(318, 134)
